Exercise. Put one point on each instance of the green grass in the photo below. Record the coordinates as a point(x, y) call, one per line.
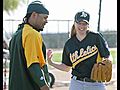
point(114, 55)
point(57, 57)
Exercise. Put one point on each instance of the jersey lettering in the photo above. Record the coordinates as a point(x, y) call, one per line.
point(84, 54)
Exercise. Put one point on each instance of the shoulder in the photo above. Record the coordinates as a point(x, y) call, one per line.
point(28, 29)
point(70, 40)
point(95, 33)
point(30, 32)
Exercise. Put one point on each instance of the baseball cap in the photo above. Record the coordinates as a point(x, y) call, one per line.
point(37, 6)
point(82, 16)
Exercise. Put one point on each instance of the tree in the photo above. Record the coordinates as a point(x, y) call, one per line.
point(11, 5)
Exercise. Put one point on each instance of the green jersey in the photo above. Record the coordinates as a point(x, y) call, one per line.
point(26, 47)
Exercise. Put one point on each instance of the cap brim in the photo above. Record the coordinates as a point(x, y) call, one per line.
point(82, 20)
point(85, 21)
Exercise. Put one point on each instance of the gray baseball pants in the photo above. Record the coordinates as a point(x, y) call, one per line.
point(82, 85)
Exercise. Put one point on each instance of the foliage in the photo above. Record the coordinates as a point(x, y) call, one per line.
point(11, 5)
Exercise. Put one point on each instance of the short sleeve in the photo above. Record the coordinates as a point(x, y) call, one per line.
point(102, 46)
point(33, 49)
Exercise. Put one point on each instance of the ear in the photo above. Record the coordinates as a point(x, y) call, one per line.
point(34, 14)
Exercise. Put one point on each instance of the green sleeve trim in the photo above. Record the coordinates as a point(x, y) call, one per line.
point(46, 74)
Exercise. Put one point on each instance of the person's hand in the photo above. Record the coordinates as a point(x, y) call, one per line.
point(49, 56)
point(45, 87)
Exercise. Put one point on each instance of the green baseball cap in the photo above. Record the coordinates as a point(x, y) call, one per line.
point(37, 6)
point(82, 16)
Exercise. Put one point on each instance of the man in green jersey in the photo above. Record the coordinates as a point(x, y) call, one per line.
point(28, 69)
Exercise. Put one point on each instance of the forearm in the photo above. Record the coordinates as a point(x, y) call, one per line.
point(37, 75)
point(60, 66)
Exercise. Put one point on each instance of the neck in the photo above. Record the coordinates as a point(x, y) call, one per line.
point(81, 35)
point(31, 22)
point(32, 25)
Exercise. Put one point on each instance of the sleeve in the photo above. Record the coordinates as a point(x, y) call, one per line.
point(33, 49)
point(37, 74)
point(102, 46)
point(66, 57)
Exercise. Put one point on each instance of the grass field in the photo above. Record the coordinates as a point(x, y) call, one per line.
point(57, 57)
point(114, 55)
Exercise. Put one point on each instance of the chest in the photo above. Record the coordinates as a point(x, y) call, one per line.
point(84, 49)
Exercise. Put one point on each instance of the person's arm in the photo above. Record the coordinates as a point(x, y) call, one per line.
point(59, 66)
point(38, 76)
point(102, 46)
point(32, 44)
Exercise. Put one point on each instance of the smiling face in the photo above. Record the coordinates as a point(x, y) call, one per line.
point(81, 26)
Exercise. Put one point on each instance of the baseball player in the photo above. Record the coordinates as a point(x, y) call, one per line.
point(81, 51)
point(28, 68)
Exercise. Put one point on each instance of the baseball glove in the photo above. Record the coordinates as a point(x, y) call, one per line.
point(102, 71)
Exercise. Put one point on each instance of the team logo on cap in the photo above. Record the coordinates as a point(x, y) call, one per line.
point(83, 14)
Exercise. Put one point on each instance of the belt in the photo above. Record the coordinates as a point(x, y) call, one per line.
point(85, 79)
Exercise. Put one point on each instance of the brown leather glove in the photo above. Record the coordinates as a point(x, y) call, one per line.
point(102, 71)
